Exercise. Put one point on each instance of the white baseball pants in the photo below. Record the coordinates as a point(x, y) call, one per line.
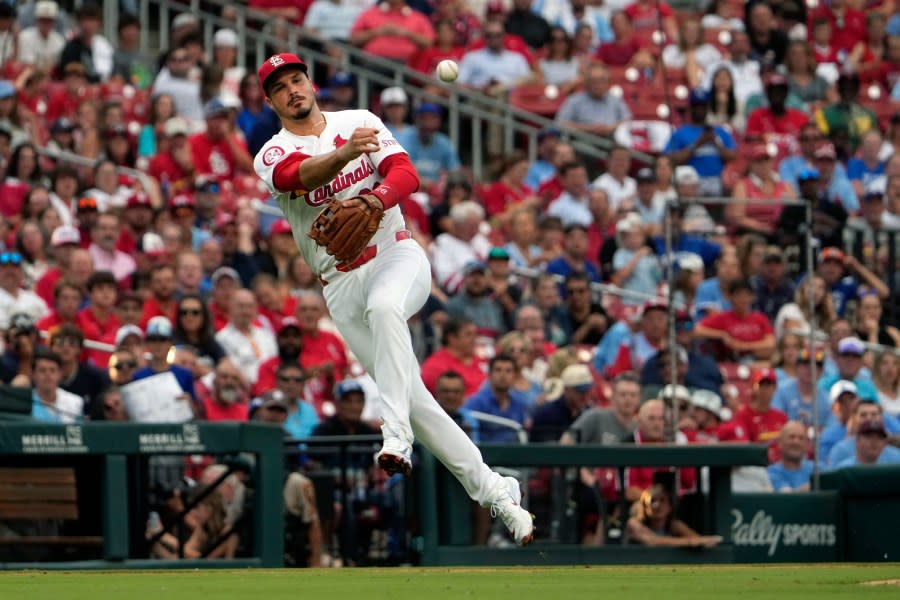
point(370, 306)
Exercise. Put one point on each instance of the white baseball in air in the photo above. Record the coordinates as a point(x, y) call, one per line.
point(551, 92)
point(447, 70)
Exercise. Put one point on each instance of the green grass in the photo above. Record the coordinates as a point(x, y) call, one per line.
point(564, 583)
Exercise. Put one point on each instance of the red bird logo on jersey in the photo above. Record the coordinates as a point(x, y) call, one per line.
point(339, 141)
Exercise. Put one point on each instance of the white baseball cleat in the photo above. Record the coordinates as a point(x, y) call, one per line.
point(506, 505)
point(395, 456)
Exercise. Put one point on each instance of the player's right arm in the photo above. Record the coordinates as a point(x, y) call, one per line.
point(299, 172)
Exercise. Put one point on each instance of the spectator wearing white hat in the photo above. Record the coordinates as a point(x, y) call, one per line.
point(567, 398)
point(850, 367)
point(40, 45)
point(226, 45)
point(636, 267)
point(394, 109)
point(158, 344)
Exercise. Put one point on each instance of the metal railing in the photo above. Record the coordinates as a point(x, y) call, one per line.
point(466, 110)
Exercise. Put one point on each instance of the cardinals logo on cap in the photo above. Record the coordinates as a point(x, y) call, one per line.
point(339, 141)
point(276, 60)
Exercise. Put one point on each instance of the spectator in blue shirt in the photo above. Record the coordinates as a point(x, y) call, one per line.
point(795, 397)
point(809, 139)
point(429, 149)
point(574, 256)
point(837, 188)
point(846, 447)
point(683, 243)
point(872, 447)
point(837, 270)
point(792, 472)
point(450, 393)
point(712, 296)
point(567, 402)
point(849, 362)
point(542, 168)
point(704, 147)
point(498, 398)
point(868, 167)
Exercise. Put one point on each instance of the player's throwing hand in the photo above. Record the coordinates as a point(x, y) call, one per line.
point(362, 141)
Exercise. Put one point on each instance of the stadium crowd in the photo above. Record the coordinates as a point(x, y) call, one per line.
point(153, 259)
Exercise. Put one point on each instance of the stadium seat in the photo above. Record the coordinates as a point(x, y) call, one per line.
point(533, 98)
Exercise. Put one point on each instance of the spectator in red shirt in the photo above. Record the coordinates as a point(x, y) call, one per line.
point(651, 423)
point(847, 24)
point(163, 285)
point(466, 26)
point(219, 152)
point(740, 331)
point(290, 10)
point(136, 220)
point(64, 101)
point(290, 348)
point(509, 191)
point(444, 47)
point(98, 320)
point(174, 167)
point(646, 15)
point(710, 417)
point(225, 282)
point(762, 183)
point(456, 354)
point(776, 122)
point(324, 353)
point(392, 30)
point(762, 422)
point(63, 242)
point(227, 400)
point(67, 299)
point(274, 304)
point(626, 48)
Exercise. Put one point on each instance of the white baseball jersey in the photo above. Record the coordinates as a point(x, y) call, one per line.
point(301, 207)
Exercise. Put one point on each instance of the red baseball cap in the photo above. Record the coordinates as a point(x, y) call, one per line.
point(138, 199)
point(288, 322)
point(765, 374)
point(181, 201)
point(759, 151)
point(831, 253)
point(275, 63)
point(223, 219)
point(281, 226)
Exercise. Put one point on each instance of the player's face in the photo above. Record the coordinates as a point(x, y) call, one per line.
point(291, 95)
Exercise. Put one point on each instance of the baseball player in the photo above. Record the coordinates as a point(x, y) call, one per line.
point(338, 177)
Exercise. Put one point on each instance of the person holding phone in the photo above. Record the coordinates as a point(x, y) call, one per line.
point(705, 147)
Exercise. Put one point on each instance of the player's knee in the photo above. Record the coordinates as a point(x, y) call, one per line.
point(384, 310)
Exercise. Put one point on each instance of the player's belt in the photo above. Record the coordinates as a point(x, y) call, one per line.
point(368, 254)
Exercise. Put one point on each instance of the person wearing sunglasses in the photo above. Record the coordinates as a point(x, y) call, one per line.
point(13, 298)
point(78, 377)
point(122, 366)
point(302, 418)
point(193, 326)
